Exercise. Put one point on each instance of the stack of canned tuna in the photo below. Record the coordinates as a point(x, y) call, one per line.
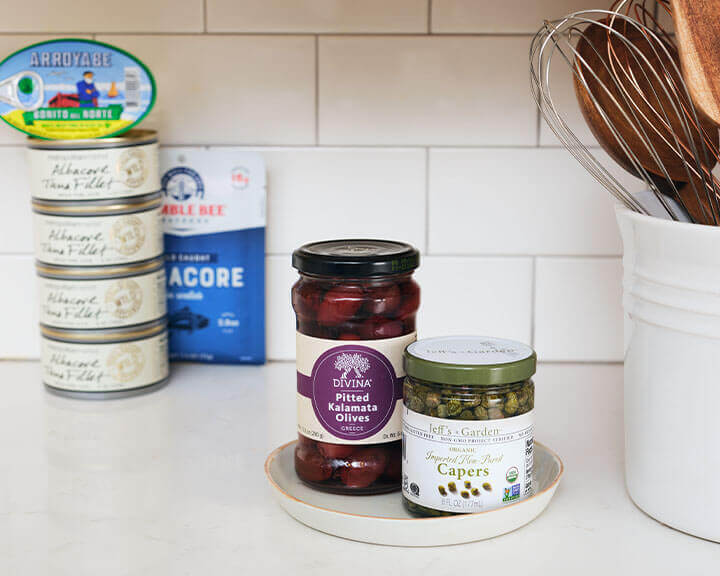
point(99, 251)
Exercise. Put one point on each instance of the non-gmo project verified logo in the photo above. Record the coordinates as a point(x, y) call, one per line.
point(512, 493)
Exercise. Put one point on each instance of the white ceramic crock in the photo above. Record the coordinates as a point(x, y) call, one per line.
point(671, 297)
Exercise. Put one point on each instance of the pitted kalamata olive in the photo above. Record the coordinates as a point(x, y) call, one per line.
point(410, 299)
point(378, 327)
point(339, 305)
point(311, 465)
point(393, 470)
point(382, 300)
point(335, 451)
point(306, 298)
point(363, 467)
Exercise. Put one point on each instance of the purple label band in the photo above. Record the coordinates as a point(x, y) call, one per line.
point(304, 386)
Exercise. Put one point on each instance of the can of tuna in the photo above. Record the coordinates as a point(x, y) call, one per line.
point(104, 297)
point(119, 167)
point(103, 233)
point(105, 363)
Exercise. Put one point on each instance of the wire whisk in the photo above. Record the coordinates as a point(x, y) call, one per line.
point(629, 86)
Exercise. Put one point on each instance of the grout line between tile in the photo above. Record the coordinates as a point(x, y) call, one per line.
point(378, 146)
point(317, 91)
point(205, 20)
point(429, 17)
point(280, 34)
point(427, 200)
point(479, 256)
point(581, 362)
point(533, 301)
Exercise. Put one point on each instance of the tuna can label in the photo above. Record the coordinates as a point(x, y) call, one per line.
point(98, 240)
point(105, 367)
point(73, 89)
point(107, 303)
point(94, 174)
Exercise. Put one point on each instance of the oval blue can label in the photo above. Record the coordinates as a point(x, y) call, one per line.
point(74, 89)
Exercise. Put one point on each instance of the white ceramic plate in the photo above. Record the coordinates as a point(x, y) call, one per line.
point(384, 520)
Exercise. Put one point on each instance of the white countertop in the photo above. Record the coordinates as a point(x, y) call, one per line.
point(172, 483)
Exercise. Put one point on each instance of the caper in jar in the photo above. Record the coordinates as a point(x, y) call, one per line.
point(464, 403)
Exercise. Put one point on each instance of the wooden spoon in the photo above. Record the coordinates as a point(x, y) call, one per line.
point(613, 63)
point(697, 27)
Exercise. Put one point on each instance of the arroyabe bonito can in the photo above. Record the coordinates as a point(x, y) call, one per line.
point(101, 233)
point(113, 361)
point(468, 424)
point(99, 169)
point(102, 297)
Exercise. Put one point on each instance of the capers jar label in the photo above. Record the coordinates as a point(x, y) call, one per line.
point(350, 392)
point(466, 465)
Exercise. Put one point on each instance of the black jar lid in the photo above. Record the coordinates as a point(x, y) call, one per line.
point(356, 258)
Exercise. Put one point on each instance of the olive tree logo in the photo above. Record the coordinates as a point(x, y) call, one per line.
point(355, 362)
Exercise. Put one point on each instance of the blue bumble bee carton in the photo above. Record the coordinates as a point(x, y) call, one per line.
point(214, 221)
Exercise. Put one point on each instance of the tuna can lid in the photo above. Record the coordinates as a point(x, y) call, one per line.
point(80, 273)
point(356, 258)
point(470, 360)
point(107, 207)
point(129, 138)
point(105, 335)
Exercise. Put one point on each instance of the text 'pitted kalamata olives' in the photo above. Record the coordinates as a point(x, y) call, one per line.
point(355, 305)
point(467, 424)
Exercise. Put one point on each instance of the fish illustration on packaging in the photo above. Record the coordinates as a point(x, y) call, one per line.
point(74, 89)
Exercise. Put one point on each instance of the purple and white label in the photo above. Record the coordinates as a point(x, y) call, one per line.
point(350, 393)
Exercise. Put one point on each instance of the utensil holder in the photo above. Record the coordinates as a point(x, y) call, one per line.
point(671, 297)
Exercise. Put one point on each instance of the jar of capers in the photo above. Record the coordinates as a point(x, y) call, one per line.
point(468, 424)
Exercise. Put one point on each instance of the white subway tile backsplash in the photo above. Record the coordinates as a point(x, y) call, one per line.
point(487, 296)
point(398, 16)
point(19, 335)
point(425, 90)
point(517, 201)
point(104, 16)
point(510, 16)
point(374, 128)
point(578, 309)
point(280, 318)
point(316, 194)
point(230, 89)
point(15, 205)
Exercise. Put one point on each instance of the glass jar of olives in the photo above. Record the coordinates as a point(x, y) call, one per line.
point(467, 424)
point(355, 305)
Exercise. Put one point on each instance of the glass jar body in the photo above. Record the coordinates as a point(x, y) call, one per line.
point(371, 312)
point(477, 406)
